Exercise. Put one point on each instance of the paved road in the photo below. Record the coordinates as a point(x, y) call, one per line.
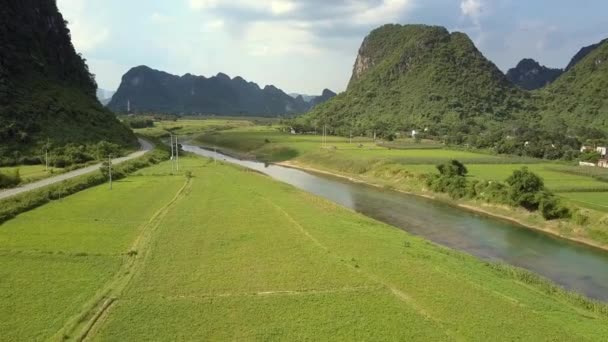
point(145, 147)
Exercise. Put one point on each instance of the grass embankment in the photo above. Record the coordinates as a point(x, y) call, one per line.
point(239, 256)
point(404, 169)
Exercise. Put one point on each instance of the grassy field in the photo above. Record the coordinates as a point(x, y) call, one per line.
point(187, 127)
point(271, 145)
point(56, 258)
point(238, 256)
point(31, 173)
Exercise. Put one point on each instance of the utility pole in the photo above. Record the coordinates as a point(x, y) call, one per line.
point(172, 161)
point(46, 155)
point(110, 169)
point(177, 153)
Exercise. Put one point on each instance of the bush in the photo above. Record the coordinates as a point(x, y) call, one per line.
point(10, 180)
point(581, 217)
point(550, 207)
point(524, 187)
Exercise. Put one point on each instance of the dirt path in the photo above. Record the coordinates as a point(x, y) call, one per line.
point(146, 146)
point(85, 324)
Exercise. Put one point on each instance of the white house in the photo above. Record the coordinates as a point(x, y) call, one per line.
point(601, 150)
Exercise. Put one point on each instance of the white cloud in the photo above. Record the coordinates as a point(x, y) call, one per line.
point(384, 12)
point(274, 7)
point(281, 7)
point(473, 9)
point(213, 25)
point(160, 18)
point(87, 34)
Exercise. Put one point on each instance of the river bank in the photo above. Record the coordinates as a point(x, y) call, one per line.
point(547, 227)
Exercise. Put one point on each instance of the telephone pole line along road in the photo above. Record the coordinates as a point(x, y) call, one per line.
point(146, 146)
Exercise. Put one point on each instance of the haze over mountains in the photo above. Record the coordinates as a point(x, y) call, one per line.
point(147, 90)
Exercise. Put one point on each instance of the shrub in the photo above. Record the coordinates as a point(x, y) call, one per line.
point(524, 186)
point(10, 180)
point(581, 217)
point(550, 207)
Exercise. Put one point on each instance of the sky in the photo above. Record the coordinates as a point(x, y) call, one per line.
point(304, 46)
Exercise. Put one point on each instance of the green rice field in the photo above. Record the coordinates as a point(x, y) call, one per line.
point(230, 254)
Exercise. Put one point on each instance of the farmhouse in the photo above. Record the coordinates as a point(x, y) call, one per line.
point(603, 163)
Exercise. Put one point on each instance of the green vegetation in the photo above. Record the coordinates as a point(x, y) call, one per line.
point(181, 265)
point(409, 168)
point(47, 93)
point(423, 78)
point(10, 179)
point(57, 258)
point(18, 204)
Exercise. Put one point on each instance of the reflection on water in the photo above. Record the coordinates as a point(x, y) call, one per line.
point(574, 266)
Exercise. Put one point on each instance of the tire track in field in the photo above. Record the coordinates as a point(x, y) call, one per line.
point(399, 294)
point(94, 313)
point(360, 289)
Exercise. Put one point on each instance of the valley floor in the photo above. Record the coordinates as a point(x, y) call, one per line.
point(230, 254)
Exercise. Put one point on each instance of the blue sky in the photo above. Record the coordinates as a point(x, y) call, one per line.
point(307, 45)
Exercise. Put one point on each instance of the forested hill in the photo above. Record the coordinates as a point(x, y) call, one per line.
point(46, 89)
point(580, 96)
point(418, 76)
point(147, 90)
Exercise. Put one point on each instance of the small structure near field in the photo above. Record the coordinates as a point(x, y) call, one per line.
point(603, 163)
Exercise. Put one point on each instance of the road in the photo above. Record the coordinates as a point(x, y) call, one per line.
point(145, 147)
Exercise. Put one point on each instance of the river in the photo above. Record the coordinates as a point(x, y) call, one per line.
point(573, 266)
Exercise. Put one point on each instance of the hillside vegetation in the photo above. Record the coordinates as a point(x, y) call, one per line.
point(47, 93)
point(423, 78)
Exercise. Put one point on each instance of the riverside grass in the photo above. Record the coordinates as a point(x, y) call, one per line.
point(242, 257)
point(405, 170)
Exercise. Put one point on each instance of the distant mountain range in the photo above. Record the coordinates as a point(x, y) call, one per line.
point(147, 90)
point(530, 75)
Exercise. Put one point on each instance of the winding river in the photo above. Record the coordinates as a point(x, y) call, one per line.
point(574, 266)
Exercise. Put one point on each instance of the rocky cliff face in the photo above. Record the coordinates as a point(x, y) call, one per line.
point(148, 90)
point(46, 89)
point(530, 75)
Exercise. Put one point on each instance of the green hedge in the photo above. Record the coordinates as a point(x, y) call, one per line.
point(16, 205)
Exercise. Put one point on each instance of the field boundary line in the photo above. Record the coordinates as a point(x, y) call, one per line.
point(399, 294)
point(272, 293)
point(88, 319)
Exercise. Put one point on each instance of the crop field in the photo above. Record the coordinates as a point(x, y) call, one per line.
point(233, 255)
point(57, 257)
point(592, 200)
point(188, 127)
point(269, 144)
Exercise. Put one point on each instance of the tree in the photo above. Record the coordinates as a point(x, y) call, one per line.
point(452, 168)
point(524, 187)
